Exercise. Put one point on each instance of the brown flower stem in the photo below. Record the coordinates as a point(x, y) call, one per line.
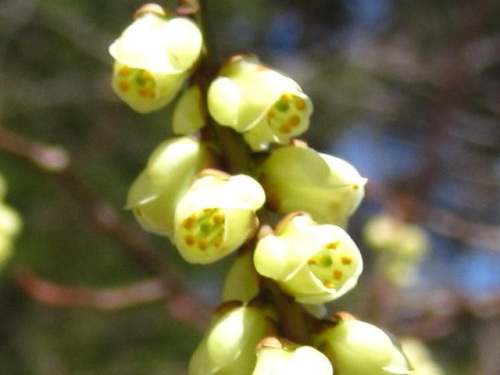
point(293, 321)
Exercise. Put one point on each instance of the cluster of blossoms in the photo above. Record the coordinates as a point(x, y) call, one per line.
point(285, 214)
point(10, 225)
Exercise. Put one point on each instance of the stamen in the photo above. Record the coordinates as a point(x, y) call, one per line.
point(124, 86)
point(189, 222)
point(125, 71)
point(337, 275)
point(203, 244)
point(300, 104)
point(189, 240)
point(332, 245)
point(346, 260)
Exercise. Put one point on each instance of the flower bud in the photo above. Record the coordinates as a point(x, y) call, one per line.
point(152, 59)
point(311, 262)
point(188, 113)
point(263, 104)
point(356, 347)
point(229, 345)
point(216, 216)
point(301, 179)
point(277, 357)
point(170, 170)
point(242, 281)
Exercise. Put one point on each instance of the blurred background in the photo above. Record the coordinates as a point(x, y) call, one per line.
point(408, 92)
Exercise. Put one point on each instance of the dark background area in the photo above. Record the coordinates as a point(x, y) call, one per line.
point(408, 92)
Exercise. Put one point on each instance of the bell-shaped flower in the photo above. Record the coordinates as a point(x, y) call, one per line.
point(189, 116)
point(229, 345)
point(356, 347)
point(170, 170)
point(301, 179)
point(400, 247)
point(313, 263)
point(216, 216)
point(278, 356)
point(153, 57)
point(242, 281)
point(263, 104)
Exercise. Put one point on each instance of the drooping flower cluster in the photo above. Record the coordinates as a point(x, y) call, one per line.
point(285, 212)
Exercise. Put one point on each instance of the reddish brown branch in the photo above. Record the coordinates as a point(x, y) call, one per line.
point(47, 157)
point(56, 161)
point(103, 299)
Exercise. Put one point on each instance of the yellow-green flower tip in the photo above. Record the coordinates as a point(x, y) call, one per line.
point(420, 357)
point(10, 225)
point(230, 343)
point(356, 347)
point(242, 281)
point(301, 179)
point(277, 357)
point(152, 59)
point(170, 170)
point(313, 263)
point(216, 216)
point(188, 113)
point(263, 104)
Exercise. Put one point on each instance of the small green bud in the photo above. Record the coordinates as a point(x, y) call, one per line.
point(311, 262)
point(263, 104)
point(301, 179)
point(152, 59)
point(188, 113)
point(278, 356)
point(229, 345)
point(242, 281)
point(216, 216)
point(356, 347)
point(170, 170)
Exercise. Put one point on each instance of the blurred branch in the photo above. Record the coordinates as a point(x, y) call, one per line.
point(50, 158)
point(103, 299)
point(470, 232)
point(56, 161)
point(474, 234)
